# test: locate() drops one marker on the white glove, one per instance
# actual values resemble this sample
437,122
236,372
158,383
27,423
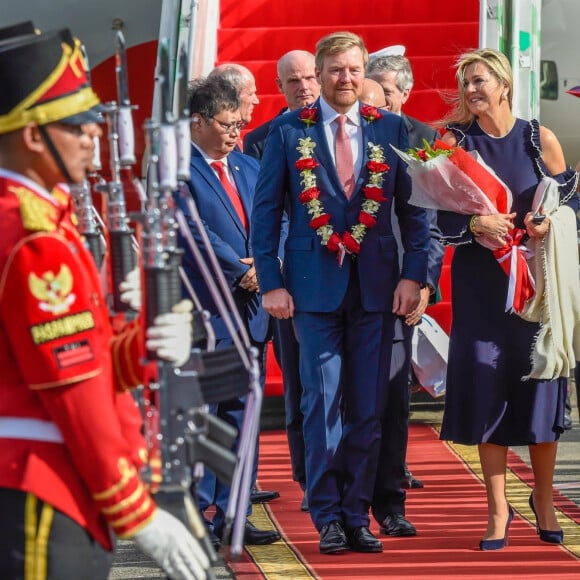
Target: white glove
131,289
167,541
171,334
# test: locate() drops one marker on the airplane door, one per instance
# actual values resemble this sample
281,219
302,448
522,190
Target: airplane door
513,27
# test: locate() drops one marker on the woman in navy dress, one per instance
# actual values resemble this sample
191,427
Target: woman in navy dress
487,403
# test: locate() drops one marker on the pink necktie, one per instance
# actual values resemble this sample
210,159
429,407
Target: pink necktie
344,162
231,191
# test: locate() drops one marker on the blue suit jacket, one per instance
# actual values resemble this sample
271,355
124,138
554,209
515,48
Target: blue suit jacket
228,238
311,273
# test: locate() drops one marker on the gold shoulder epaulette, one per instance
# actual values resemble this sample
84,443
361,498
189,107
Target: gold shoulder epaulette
37,214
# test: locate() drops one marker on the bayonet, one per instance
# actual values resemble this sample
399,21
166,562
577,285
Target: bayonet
168,143
182,128
125,117
167,116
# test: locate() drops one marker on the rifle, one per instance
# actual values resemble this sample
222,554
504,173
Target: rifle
227,374
177,431
91,225
121,152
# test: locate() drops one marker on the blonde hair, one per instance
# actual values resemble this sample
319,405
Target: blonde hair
336,43
499,67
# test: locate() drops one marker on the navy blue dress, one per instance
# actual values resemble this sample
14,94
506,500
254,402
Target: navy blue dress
486,400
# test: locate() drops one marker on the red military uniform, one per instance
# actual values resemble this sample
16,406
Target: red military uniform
69,434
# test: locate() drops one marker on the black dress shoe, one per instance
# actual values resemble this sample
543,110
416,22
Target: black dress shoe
304,505
415,483
255,537
333,539
397,525
362,540
410,482
263,496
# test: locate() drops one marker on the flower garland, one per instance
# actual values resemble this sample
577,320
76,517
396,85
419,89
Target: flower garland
308,115
370,113
350,241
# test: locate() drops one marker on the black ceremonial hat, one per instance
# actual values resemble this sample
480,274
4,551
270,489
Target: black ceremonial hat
44,81
19,29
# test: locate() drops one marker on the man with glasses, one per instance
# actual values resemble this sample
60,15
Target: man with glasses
222,186
245,84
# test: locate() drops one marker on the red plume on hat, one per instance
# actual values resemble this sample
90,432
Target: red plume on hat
44,81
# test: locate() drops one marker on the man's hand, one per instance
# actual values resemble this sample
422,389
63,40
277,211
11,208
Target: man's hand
406,297
249,280
278,303
167,541
414,317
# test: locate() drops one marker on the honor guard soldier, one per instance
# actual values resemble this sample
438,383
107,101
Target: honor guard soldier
70,443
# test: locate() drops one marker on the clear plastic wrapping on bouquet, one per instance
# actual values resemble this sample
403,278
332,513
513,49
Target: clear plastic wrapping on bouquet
439,184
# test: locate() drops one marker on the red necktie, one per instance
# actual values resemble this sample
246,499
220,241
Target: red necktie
343,152
231,191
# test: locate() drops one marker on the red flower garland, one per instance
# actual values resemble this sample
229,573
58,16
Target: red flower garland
350,241
308,115
370,113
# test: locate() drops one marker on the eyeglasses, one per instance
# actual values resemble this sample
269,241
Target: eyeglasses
231,127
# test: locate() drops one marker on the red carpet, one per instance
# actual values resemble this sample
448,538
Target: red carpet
449,513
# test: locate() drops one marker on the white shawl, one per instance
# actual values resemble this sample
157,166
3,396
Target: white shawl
556,303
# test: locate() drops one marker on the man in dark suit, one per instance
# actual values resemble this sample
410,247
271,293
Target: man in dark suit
222,186
245,84
331,166
394,75
297,82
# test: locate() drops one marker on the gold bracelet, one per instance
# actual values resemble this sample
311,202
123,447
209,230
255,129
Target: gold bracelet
473,225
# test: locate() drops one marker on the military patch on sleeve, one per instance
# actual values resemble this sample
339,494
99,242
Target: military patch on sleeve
65,326
53,291
73,353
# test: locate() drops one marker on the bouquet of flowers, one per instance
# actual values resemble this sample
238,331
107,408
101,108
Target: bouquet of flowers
452,179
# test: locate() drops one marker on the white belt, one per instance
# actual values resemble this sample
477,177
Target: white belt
30,429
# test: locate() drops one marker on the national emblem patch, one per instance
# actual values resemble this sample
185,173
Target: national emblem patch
53,291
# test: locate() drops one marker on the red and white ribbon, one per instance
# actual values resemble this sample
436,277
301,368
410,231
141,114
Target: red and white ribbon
513,258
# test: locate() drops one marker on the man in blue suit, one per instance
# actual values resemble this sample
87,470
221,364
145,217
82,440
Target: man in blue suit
297,82
333,168
222,186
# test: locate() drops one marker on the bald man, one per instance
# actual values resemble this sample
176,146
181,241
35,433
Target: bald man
296,80
373,94
245,83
